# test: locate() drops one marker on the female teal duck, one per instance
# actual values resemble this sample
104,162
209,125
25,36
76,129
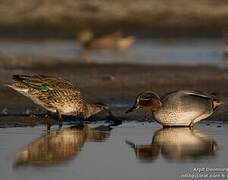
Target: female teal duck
179,108
56,95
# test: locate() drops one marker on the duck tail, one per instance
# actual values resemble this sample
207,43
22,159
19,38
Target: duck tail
131,144
216,103
17,77
21,78
18,85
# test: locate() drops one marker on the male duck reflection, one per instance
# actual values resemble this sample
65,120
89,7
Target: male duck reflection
56,95
179,108
60,146
179,144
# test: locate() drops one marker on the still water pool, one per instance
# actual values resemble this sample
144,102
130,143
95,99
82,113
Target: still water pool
132,150
190,51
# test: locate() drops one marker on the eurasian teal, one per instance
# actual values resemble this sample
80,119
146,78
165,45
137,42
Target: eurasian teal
226,48
179,108
114,41
56,95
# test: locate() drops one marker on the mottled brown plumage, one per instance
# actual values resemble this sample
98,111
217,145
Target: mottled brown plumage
55,94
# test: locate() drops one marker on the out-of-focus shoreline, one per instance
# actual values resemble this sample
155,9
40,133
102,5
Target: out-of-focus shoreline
49,32
141,18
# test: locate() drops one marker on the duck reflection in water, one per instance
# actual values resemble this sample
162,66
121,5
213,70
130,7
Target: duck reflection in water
177,144
60,146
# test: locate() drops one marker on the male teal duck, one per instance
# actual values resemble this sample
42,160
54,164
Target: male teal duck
179,108
56,95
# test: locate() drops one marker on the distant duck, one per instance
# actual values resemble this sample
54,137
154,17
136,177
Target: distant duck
226,49
56,95
179,108
114,41
177,144
58,147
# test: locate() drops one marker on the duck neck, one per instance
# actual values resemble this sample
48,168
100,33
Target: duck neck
156,105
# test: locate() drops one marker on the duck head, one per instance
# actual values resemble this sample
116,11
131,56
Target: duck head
147,99
85,36
94,108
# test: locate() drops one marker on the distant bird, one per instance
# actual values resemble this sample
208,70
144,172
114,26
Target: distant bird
179,108
226,48
114,41
179,144
56,95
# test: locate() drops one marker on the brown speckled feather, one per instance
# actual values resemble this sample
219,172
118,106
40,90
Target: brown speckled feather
54,94
36,81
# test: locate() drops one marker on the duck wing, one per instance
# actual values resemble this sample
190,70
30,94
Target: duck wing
214,101
48,91
196,101
187,100
190,93
43,83
198,95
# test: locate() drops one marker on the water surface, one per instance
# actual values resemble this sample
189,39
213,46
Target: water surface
131,151
185,51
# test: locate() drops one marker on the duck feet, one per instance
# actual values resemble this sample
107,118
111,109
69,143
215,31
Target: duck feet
48,121
60,121
48,127
60,124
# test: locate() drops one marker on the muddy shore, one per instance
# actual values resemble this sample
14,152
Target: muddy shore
114,84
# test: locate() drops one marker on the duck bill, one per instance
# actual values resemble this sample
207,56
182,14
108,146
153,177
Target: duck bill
109,112
132,109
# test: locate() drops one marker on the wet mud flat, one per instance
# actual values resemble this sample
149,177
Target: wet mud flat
114,84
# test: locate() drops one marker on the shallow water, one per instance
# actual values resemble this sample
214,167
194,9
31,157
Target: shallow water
79,153
144,51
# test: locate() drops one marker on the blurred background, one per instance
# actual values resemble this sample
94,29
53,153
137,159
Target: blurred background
62,19
164,32
112,51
